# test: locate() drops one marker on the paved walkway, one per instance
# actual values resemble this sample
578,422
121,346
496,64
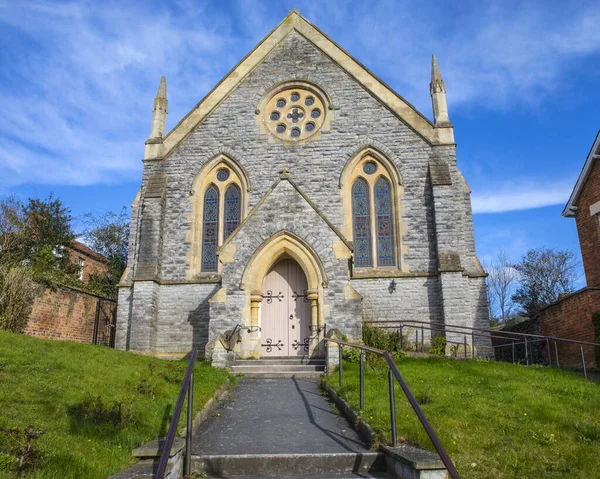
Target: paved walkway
276,416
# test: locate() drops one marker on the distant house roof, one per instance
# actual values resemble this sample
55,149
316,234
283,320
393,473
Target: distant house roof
593,155
87,251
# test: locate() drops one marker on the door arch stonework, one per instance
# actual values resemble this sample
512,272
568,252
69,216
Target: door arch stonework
282,245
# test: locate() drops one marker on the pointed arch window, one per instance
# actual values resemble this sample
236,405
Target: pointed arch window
361,224
371,188
384,226
232,209
210,229
219,207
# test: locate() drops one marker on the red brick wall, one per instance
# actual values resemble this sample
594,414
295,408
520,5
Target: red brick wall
63,313
588,227
571,318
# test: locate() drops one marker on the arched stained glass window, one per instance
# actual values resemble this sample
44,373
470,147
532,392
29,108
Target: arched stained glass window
383,215
232,210
361,220
210,230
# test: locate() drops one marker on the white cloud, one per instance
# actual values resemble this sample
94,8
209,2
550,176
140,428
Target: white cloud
79,78
491,54
83,82
514,197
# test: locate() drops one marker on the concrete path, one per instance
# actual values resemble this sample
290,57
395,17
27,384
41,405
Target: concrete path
276,416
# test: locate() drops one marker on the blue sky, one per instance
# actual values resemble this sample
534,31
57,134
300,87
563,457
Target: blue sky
77,82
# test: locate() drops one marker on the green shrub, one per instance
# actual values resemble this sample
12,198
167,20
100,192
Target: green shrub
351,355
438,345
388,340
93,409
16,298
18,451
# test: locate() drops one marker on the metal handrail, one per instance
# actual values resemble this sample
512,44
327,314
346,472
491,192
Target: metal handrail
510,341
186,385
395,372
443,327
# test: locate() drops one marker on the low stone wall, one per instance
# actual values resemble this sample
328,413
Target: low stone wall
571,317
63,313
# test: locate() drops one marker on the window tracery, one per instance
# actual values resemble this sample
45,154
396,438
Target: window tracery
295,112
371,189
219,205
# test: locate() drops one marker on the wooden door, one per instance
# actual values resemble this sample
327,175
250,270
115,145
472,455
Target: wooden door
285,311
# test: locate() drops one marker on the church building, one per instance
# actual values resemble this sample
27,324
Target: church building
300,195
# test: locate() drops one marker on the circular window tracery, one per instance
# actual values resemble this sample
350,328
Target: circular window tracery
295,113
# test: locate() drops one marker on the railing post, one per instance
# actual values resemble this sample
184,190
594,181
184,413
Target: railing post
416,340
549,353
526,352
392,408
583,362
401,337
556,354
422,340
465,342
472,345
362,380
340,366
513,351
188,432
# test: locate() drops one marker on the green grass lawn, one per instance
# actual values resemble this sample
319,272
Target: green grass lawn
494,419
54,386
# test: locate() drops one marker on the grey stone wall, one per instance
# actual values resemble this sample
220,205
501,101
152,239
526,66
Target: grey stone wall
436,213
286,210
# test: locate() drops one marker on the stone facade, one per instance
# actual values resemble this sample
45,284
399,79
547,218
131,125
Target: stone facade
294,206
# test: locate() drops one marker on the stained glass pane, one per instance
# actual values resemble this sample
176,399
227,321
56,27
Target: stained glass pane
361,222
210,229
233,206
385,233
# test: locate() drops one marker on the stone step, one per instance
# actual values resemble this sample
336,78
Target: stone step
279,368
347,475
271,374
276,361
282,465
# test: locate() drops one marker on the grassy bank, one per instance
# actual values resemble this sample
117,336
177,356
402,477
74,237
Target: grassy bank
94,404
494,419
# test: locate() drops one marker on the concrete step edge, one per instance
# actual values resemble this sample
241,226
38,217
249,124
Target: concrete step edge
278,465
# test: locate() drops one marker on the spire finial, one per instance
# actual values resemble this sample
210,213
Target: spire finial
438,96
437,84
162,88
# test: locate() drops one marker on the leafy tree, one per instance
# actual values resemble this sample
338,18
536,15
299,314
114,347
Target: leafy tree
544,274
108,234
35,233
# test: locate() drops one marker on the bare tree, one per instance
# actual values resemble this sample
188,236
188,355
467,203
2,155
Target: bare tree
544,274
502,278
491,300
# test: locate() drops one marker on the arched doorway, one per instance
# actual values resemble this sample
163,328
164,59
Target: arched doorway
285,311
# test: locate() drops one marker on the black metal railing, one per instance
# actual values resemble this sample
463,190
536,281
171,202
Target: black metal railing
394,372
513,340
187,386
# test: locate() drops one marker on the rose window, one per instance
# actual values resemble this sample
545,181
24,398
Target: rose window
294,112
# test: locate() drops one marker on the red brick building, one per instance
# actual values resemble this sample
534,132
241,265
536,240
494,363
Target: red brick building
88,260
68,313
571,316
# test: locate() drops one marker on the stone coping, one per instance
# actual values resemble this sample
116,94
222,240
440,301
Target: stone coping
414,457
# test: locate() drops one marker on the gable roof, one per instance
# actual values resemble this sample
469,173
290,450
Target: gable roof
284,175
296,22
594,154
